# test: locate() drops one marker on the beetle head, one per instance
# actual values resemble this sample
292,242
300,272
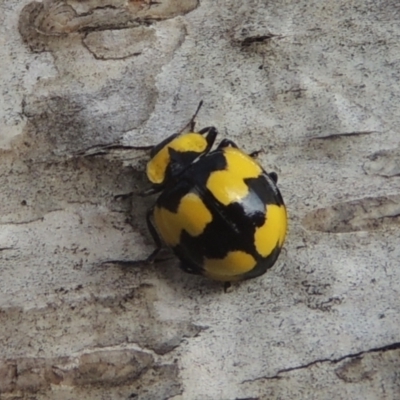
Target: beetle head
176,153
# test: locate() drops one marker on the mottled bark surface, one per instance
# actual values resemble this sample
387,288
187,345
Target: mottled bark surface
313,84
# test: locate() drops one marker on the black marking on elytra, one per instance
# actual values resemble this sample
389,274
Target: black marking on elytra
191,180
201,170
263,263
265,188
179,161
193,261
223,234
171,197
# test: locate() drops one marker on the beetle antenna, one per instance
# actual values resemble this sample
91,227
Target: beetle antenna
197,111
191,124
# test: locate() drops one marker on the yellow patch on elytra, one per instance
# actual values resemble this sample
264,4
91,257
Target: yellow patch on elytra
234,264
273,231
192,216
157,166
228,186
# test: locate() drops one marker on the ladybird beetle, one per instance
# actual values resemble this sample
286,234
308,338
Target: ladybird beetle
218,210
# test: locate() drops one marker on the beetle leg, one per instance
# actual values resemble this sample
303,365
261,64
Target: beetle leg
273,176
207,129
227,286
152,190
227,143
211,133
255,153
148,192
154,234
152,256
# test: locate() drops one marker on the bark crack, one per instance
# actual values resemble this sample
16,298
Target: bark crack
341,134
389,347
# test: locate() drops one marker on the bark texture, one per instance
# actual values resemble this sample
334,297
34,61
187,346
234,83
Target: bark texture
313,84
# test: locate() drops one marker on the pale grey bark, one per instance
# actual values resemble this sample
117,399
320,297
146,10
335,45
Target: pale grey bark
314,84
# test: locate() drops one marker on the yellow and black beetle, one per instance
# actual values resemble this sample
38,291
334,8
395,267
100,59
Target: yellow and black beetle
218,210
